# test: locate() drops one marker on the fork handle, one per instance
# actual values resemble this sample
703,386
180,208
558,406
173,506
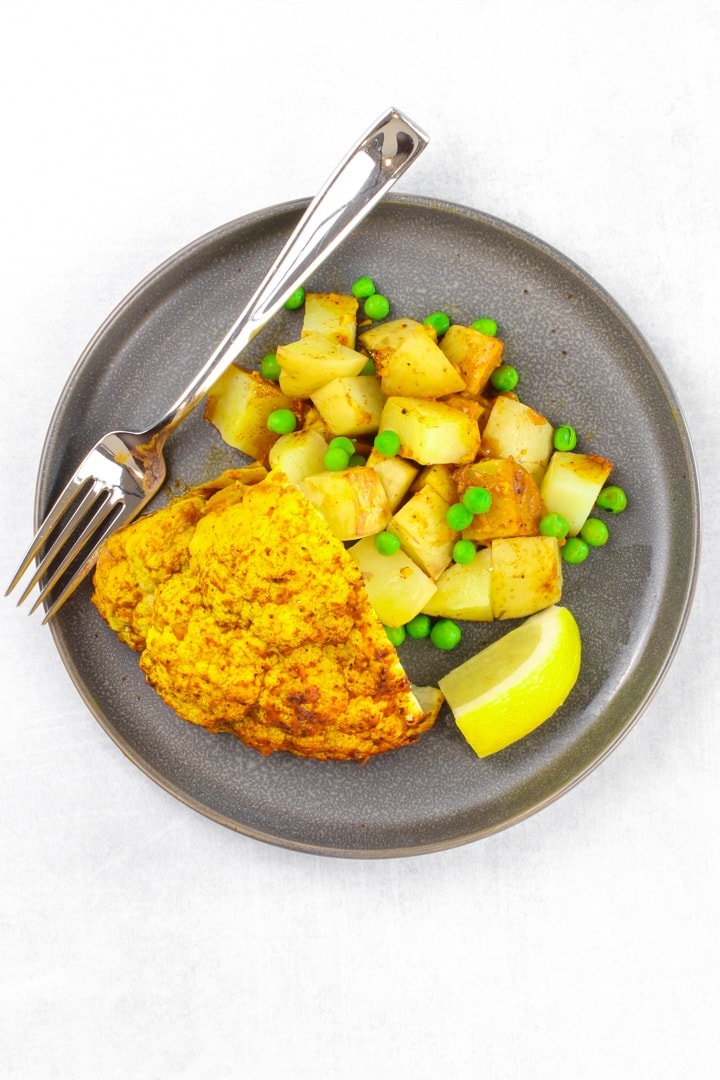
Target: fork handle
359,181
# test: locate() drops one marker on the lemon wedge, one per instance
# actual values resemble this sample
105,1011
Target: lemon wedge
511,687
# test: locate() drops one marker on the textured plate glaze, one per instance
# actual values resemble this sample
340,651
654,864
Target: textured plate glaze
581,361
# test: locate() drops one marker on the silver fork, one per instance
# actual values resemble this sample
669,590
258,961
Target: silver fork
125,469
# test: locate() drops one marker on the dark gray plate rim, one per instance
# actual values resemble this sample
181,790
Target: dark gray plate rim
545,301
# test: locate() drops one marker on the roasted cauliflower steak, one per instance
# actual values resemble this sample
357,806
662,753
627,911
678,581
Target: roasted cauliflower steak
251,618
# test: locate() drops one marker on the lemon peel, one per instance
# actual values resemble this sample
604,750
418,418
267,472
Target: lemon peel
515,684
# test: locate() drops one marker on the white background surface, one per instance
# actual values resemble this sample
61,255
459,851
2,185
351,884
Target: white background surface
140,940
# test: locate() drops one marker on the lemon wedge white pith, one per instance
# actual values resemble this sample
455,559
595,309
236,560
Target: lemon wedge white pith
511,687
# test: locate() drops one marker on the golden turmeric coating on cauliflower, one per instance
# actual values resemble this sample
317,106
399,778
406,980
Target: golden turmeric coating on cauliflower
251,618
139,558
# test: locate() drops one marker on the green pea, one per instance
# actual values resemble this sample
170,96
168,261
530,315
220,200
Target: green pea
612,498
282,421
554,525
458,516
369,368
396,634
356,460
463,552
485,326
504,378
269,367
336,458
344,443
574,550
377,307
445,634
387,443
595,532
386,543
439,321
363,287
565,437
419,627
296,300
477,500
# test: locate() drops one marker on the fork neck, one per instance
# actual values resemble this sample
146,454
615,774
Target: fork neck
243,330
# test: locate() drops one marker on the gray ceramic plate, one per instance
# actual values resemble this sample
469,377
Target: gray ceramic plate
581,362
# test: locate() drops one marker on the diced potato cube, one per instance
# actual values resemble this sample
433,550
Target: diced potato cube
381,341
314,360
352,501
238,405
463,591
351,405
526,575
475,355
418,368
331,314
397,587
423,532
397,475
440,478
571,485
431,432
299,454
514,430
516,508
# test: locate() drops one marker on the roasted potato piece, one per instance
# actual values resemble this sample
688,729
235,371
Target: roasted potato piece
397,587
381,341
572,483
352,501
475,355
441,479
514,430
238,405
299,454
463,591
526,575
332,315
396,473
516,507
351,405
409,362
314,360
431,432
418,368
423,532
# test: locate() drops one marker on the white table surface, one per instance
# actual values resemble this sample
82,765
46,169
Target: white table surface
141,940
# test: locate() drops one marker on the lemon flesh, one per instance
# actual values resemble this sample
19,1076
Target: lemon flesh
511,687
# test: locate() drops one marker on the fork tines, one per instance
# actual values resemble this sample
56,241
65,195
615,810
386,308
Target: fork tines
72,530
